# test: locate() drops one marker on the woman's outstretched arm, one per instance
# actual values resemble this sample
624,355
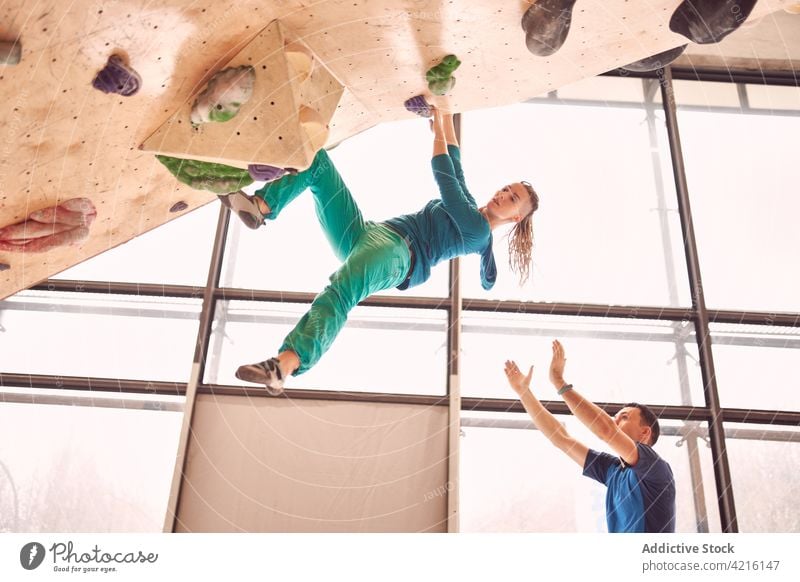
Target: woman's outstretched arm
439,135
449,129
444,116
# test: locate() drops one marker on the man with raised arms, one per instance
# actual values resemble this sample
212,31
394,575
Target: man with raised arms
641,488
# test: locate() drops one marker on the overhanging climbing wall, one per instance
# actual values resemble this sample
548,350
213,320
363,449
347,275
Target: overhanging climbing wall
65,140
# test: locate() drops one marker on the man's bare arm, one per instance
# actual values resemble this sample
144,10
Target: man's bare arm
544,421
591,415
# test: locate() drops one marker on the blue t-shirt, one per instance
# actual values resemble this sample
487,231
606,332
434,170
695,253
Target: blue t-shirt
447,228
639,498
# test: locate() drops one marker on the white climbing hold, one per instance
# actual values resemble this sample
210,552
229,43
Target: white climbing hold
300,60
313,126
224,95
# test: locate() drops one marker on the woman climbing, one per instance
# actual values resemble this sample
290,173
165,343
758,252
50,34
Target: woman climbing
380,255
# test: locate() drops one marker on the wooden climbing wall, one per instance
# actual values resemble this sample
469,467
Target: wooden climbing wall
63,139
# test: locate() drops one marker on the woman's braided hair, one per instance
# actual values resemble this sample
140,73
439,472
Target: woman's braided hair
520,240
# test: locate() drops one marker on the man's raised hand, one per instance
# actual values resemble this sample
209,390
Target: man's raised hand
520,383
557,365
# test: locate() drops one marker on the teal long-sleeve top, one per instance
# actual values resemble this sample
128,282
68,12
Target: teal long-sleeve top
447,227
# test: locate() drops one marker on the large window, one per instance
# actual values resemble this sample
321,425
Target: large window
97,462
611,279
610,359
88,334
765,458
742,177
606,230
757,366
379,350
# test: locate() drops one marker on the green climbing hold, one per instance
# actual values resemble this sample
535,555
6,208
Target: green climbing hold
442,86
440,77
217,178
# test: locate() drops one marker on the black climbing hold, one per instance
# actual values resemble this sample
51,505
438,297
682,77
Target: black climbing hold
709,21
264,173
546,25
657,61
10,52
117,77
418,105
179,206
4,267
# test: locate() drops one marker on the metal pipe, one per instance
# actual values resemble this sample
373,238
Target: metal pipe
198,367
786,78
101,385
454,382
777,319
722,474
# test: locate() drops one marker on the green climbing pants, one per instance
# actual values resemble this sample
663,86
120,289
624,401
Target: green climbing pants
374,257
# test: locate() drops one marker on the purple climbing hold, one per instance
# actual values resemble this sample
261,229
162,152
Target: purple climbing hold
117,77
264,173
418,105
4,267
179,207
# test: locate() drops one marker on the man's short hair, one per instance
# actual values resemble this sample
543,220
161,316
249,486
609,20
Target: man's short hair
649,418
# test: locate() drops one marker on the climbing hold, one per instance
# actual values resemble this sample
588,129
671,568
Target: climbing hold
178,207
117,77
442,86
217,178
264,173
657,61
10,52
44,243
60,215
418,105
444,69
224,95
300,59
546,25
440,77
709,21
314,127
51,227
4,267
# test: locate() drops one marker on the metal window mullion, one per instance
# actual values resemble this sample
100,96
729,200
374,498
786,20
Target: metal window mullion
744,101
649,89
102,385
787,78
198,366
454,382
210,294
777,319
581,102
722,474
